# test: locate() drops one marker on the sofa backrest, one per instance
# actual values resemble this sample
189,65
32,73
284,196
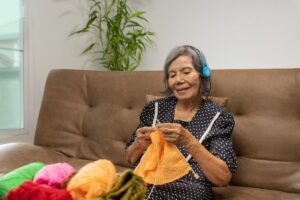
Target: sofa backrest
266,108
91,115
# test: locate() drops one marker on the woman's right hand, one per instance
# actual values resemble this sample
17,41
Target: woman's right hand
143,139
140,144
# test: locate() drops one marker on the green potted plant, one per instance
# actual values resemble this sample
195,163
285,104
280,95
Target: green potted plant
121,36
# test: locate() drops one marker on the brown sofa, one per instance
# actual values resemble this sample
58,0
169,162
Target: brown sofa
88,115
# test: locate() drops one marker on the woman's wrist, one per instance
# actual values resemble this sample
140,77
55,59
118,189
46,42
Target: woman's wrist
191,144
188,138
134,152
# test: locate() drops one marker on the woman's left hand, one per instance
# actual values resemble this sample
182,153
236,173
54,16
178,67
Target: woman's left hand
175,133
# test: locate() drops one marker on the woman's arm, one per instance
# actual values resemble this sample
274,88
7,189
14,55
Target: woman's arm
214,162
140,139
215,169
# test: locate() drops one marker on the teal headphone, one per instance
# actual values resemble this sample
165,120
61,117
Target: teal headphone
205,68
206,72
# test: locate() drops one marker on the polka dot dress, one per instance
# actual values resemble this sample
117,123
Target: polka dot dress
218,142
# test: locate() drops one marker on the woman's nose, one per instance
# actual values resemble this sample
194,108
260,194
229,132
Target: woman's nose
179,79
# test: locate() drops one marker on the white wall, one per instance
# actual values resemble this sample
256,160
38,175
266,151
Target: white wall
232,34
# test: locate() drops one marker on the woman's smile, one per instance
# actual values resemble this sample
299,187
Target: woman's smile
182,91
183,79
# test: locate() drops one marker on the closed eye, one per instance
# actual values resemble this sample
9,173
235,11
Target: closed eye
186,71
172,75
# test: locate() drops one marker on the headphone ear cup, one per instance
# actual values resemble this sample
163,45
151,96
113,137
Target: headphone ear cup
206,72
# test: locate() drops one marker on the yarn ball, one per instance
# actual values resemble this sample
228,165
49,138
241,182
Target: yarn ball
54,174
16,177
129,186
31,191
93,180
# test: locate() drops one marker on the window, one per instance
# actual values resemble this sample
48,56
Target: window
11,65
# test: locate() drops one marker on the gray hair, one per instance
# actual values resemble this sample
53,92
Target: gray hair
198,61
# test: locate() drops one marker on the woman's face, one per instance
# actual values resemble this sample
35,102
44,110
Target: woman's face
183,79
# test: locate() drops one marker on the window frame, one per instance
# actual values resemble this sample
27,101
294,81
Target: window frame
23,134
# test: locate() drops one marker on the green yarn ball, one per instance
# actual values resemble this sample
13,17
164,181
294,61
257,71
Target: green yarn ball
16,177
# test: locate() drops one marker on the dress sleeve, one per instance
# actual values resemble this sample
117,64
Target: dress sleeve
221,141
146,118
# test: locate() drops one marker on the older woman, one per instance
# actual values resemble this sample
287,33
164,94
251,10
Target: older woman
184,116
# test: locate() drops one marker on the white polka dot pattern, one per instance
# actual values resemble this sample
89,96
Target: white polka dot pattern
218,142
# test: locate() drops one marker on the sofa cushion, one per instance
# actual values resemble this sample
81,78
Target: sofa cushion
266,108
247,193
90,115
24,153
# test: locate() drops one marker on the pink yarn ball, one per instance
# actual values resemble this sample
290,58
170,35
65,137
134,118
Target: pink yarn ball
54,174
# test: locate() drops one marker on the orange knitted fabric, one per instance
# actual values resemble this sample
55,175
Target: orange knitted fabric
162,162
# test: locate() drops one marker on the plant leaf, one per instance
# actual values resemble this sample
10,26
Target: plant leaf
88,48
86,27
136,14
121,38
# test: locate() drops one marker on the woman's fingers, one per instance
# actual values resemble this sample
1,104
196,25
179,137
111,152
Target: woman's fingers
146,129
143,137
170,130
144,133
173,132
170,134
167,125
167,130
146,137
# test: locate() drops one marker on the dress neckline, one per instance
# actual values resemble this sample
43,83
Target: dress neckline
174,102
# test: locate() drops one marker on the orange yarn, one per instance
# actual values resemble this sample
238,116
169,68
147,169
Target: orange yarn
93,180
162,162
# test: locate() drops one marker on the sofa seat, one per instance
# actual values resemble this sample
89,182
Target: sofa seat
14,155
250,193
